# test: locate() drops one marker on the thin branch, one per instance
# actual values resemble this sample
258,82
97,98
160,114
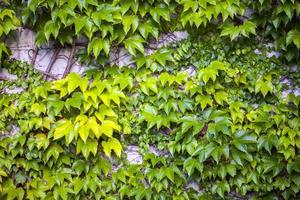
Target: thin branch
52,61
34,56
69,64
47,74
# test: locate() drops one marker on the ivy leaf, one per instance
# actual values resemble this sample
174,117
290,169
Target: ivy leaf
130,21
293,36
185,104
54,105
116,146
241,139
211,71
220,97
106,46
158,12
191,122
107,127
96,45
79,23
90,146
60,85
62,192
42,141
104,111
165,77
204,101
51,28
150,114
264,87
94,126
86,126
78,184
84,133
231,169
73,81
83,84
189,165
169,172
75,101
123,81
234,31
3,49
64,128
149,84
148,27
92,93
38,108
134,43
53,151
112,144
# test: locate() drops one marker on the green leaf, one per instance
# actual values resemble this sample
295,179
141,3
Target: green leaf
212,71
158,12
148,27
64,128
106,46
87,124
75,101
130,21
134,43
107,127
42,141
191,122
90,146
123,81
78,184
220,97
53,151
51,28
231,169
234,31
79,23
264,87
96,45
185,104
38,108
73,81
149,84
204,101
293,36
112,144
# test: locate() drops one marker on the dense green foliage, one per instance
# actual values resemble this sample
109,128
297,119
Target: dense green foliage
131,23
208,114
8,23
212,110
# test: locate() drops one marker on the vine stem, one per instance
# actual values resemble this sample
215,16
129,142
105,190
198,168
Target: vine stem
47,74
69,64
34,56
52,61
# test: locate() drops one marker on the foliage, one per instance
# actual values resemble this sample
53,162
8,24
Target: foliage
107,24
208,113
221,124
279,20
8,23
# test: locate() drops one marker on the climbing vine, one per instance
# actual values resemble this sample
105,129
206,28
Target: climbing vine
214,116
209,121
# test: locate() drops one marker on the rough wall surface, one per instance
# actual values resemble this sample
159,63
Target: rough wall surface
22,46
